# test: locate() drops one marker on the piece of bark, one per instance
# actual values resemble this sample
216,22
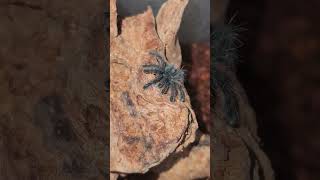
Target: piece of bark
145,127
195,26
168,22
114,176
191,164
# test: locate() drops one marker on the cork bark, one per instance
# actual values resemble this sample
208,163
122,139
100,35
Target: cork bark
145,127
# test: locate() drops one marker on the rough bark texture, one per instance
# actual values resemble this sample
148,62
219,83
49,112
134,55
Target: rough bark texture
145,126
196,15
52,110
193,163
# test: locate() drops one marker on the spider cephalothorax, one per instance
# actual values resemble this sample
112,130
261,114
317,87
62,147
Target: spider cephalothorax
167,77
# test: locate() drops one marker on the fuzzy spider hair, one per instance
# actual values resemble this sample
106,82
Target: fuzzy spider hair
225,43
167,77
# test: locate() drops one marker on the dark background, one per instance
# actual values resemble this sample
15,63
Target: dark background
280,70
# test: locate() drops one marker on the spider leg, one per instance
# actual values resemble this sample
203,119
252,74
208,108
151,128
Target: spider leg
174,73
151,66
173,92
149,69
154,81
181,91
162,83
178,76
165,88
230,105
159,58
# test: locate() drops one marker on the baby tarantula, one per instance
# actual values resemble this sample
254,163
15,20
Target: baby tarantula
167,77
225,43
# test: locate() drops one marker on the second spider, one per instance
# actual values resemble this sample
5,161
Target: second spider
167,76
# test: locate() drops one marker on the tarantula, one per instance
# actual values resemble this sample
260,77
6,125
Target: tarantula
225,43
167,77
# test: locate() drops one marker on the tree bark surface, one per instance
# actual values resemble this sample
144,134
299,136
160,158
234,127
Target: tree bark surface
145,126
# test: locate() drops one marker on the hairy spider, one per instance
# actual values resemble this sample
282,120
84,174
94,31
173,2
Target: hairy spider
167,77
225,43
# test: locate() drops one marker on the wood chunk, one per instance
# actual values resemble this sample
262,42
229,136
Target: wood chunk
145,127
